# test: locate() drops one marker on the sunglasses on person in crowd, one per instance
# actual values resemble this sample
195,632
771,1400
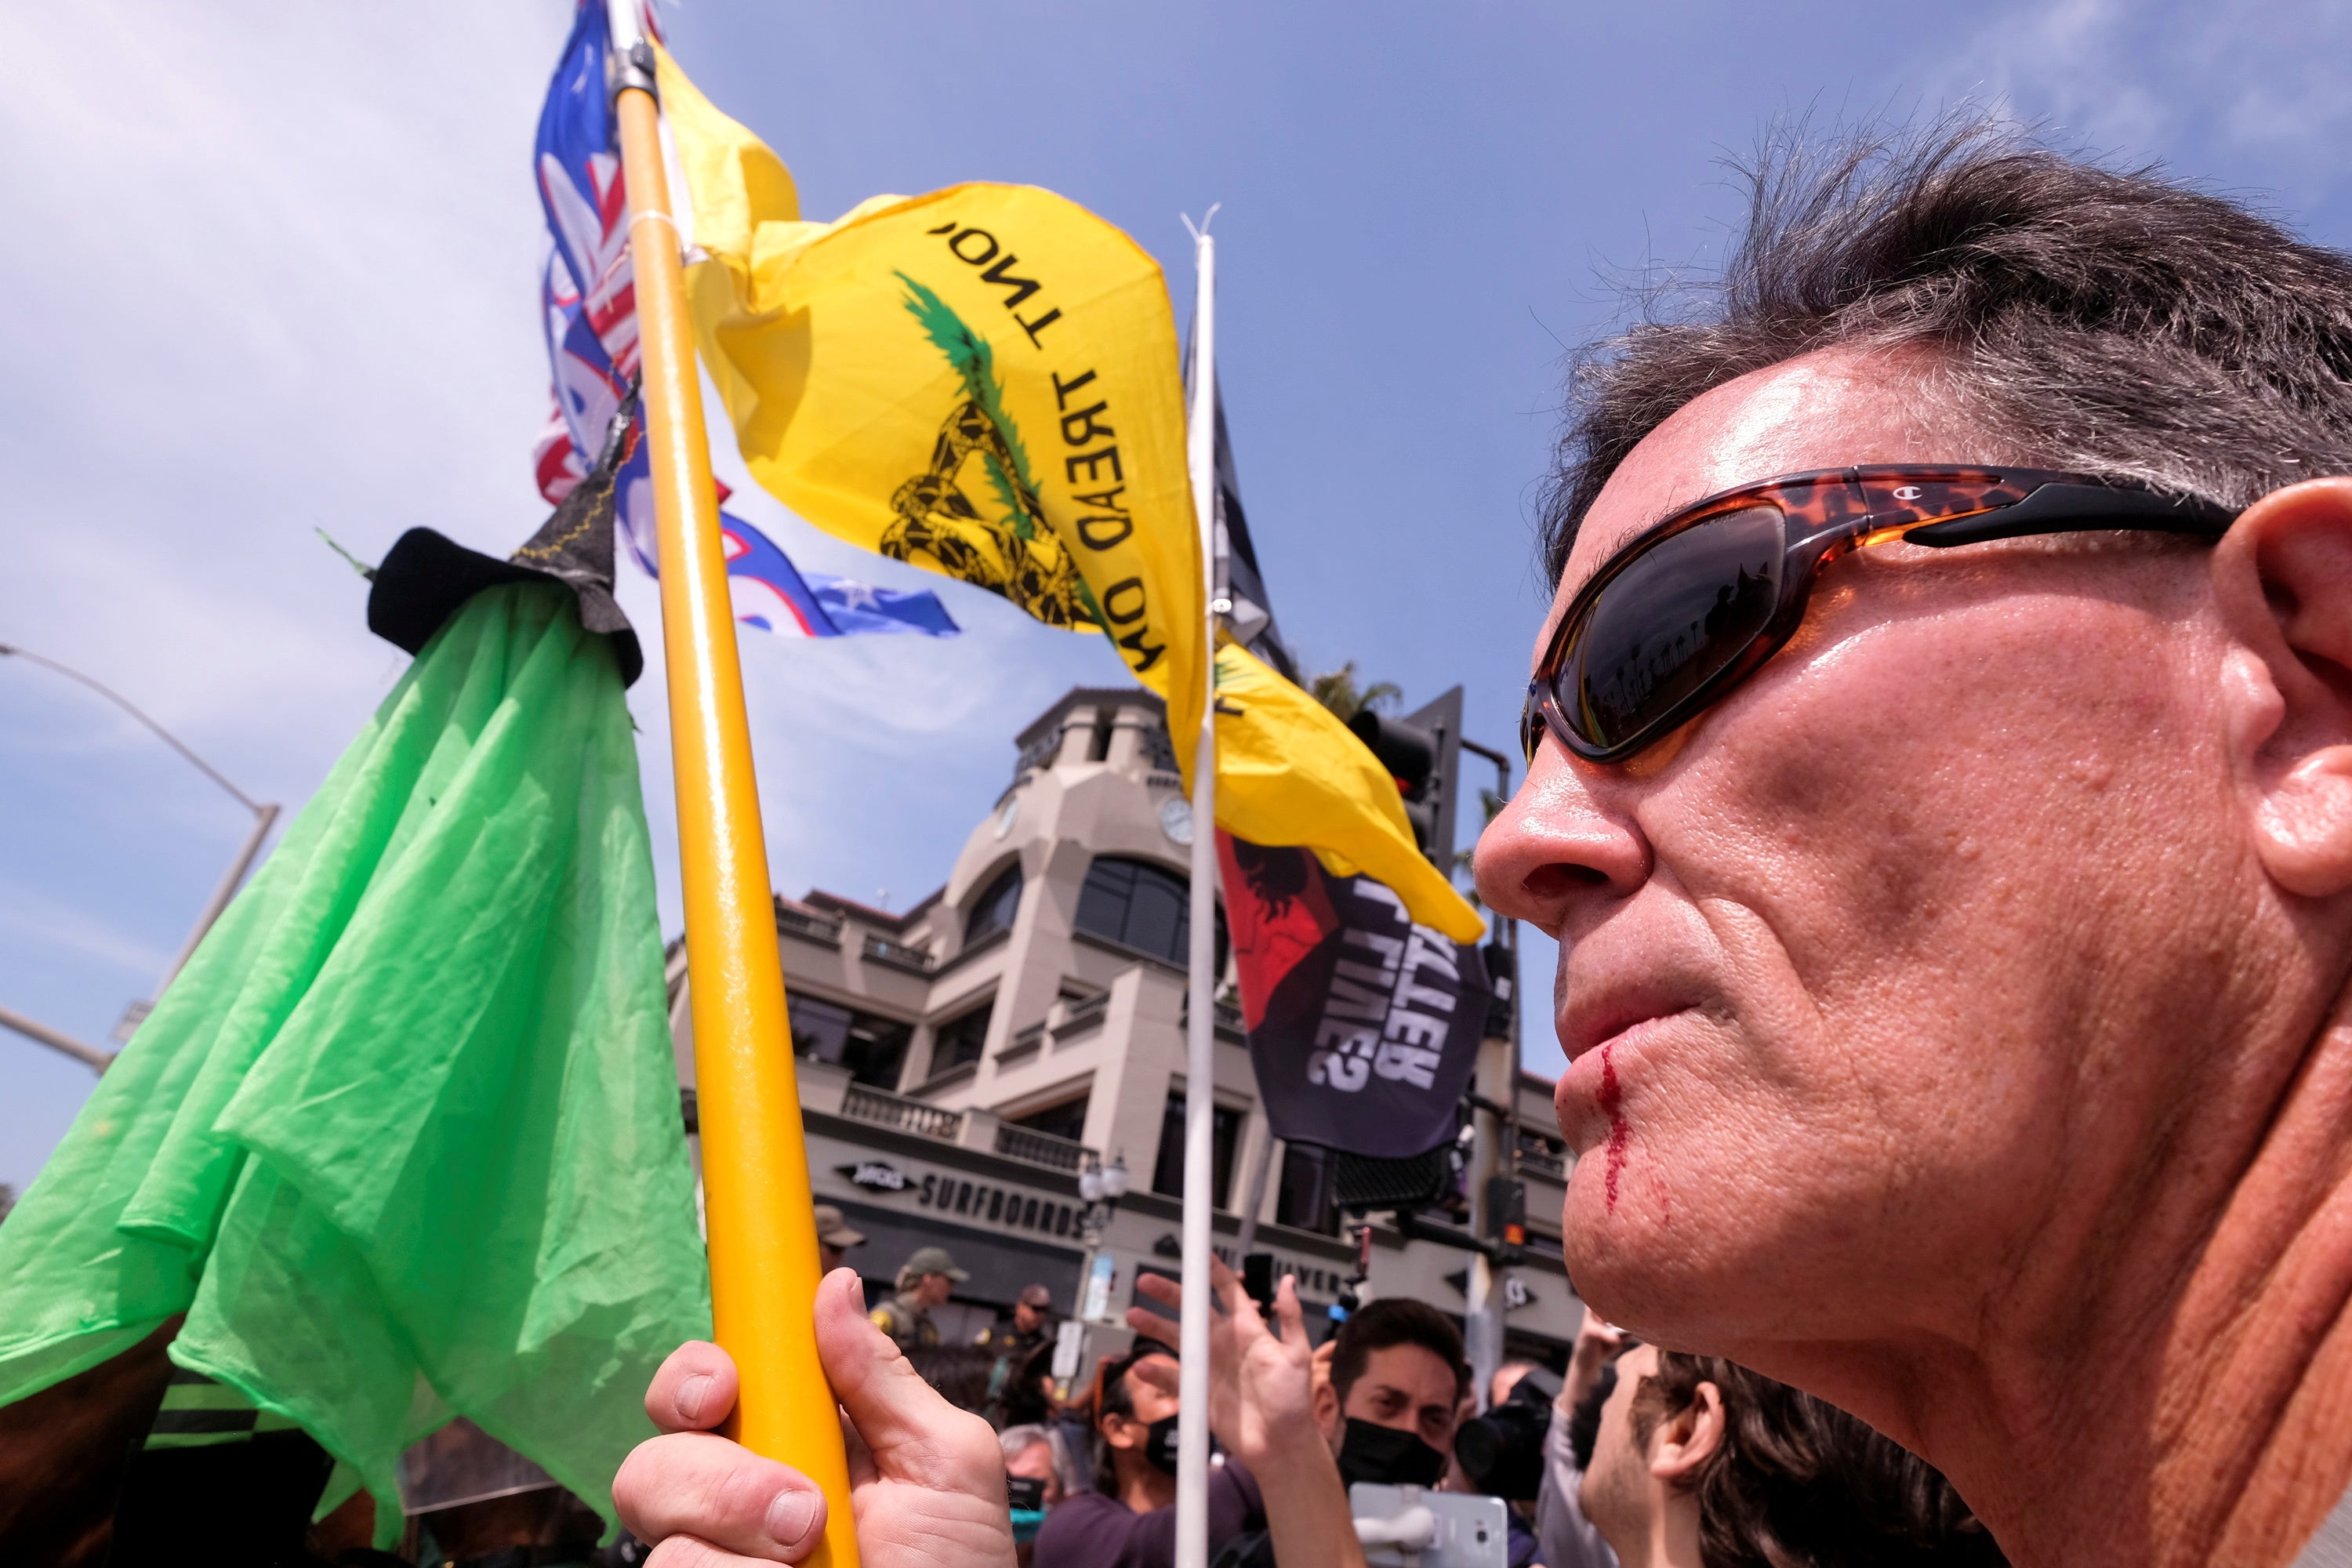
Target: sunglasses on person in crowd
1675,620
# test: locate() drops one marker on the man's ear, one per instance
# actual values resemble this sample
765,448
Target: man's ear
1326,1407
1688,1438
2282,579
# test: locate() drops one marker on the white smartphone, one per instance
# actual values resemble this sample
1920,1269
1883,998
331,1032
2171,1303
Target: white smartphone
1413,1527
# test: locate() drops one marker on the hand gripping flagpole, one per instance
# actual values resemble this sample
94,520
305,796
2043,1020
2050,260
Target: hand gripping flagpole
762,1231
1200,1007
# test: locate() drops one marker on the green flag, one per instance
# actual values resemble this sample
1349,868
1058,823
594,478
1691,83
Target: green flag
402,1139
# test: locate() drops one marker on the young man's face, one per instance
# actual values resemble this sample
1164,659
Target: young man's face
1027,1318
1620,1495
1407,1387
932,1289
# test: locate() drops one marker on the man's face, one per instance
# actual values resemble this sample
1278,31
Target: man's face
932,1289
1403,1386
1619,1494
1027,1318
1867,968
1035,1463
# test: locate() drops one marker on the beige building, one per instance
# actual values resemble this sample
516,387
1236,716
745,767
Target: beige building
963,1062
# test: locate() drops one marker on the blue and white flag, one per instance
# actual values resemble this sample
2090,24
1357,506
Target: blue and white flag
589,312
771,593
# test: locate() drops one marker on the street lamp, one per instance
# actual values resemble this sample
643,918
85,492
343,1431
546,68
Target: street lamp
1100,1186
264,817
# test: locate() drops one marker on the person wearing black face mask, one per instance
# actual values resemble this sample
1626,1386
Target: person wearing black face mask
1128,1521
1395,1388
1377,1403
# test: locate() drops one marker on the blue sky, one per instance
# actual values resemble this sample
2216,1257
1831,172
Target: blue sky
270,269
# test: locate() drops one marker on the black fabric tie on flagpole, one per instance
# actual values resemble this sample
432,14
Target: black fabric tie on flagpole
426,575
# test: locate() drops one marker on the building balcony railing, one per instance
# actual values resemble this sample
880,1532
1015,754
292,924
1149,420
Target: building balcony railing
1228,1018
975,1128
800,924
885,1109
899,954
1083,1014
1033,1147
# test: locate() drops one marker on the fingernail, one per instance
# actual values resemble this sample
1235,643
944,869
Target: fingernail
692,1394
790,1516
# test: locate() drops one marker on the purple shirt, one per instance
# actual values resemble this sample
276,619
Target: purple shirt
1091,1530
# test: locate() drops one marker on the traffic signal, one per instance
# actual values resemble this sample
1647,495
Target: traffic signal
1422,752
1506,1211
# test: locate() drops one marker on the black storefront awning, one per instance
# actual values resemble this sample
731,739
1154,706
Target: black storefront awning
999,1265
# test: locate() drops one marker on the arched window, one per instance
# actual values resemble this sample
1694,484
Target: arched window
1145,907
993,911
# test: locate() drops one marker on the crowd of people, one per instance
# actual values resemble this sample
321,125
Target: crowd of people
1634,1457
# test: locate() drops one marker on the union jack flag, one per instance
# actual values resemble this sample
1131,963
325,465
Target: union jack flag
588,306
591,326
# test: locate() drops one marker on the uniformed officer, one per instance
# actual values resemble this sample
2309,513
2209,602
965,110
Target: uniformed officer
1020,1335
924,1283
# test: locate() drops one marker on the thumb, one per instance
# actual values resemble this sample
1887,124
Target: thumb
913,1433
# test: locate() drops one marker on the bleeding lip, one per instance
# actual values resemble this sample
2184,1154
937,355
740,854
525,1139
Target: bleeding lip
1589,1029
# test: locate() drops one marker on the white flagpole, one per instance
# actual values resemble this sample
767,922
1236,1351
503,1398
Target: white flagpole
1200,1040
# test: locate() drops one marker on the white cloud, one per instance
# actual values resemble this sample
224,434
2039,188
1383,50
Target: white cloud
2259,79
35,921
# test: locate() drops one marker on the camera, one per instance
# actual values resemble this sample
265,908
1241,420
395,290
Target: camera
1502,1451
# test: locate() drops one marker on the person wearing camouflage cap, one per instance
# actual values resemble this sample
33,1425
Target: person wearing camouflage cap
924,1283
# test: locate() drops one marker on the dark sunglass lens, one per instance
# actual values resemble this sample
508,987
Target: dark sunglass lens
1674,616
1531,726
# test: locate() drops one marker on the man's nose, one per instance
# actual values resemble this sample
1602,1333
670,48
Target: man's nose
1560,845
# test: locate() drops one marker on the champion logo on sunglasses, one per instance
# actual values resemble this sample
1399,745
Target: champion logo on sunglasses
1674,621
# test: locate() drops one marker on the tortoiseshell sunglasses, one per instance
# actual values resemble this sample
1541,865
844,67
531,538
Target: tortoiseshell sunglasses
1675,620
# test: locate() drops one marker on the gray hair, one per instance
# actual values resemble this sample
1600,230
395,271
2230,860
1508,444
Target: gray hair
1016,1441
2114,322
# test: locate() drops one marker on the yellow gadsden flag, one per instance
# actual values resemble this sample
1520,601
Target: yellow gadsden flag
985,382
982,381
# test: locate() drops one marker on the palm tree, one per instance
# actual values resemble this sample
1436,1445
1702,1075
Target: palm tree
1336,690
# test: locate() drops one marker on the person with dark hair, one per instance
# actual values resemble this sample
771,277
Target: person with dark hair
1276,1420
1395,1390
1704,1464
1941,788
1940,784
1128,1521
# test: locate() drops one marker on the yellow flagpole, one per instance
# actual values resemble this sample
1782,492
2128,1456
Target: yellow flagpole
762,1232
